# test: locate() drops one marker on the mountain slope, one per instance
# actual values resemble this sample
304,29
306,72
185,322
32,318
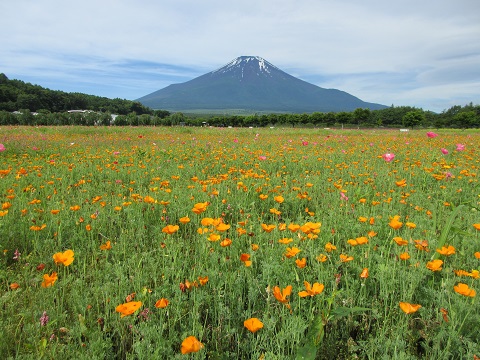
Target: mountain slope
252,83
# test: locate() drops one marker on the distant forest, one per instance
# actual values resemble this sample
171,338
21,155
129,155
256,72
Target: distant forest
26,104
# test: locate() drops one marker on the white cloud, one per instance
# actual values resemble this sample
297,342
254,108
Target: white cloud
406,52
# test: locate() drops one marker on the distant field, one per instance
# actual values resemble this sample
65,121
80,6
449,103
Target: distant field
152,243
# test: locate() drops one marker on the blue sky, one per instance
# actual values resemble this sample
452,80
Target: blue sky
418,53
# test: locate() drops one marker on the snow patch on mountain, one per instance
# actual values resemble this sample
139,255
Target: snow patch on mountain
242,62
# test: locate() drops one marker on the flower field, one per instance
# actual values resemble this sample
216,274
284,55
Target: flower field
166,243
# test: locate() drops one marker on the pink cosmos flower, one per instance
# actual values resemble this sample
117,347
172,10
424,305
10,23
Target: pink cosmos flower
460,147
2,148
343,196
388,157
235,140
431,134
444,151
262,157
304,143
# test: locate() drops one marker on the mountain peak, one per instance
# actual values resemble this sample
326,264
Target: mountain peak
243,66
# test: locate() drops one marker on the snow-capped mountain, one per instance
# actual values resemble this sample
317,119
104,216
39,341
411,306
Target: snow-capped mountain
252,83
245,66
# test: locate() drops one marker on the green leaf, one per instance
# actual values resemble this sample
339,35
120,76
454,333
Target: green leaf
307,352
313,339
446,229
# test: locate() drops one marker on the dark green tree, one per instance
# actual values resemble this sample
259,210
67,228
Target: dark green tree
413,118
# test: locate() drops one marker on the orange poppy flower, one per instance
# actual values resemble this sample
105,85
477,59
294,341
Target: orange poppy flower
14,286
329,247
421,245
394,223
358,241
474,274
464,289
477,226
285,241
364,273
461,272
222,227
214,237
65,258
311,290
401,183
49,280
268,228
345,258
255,247
6,205
477,254
404,256
199,208
400,241
291,252
408,308
190,345
245,259
241,231
362,219
446,250
207,221
128,308
263,196
184,220
281,295
322,258
253,324
301,263
279,199
203,280
170,229
75,207
162,303
410,225
106,246
226,242
293,227
149,199
38,228
435,265
310,227
54,212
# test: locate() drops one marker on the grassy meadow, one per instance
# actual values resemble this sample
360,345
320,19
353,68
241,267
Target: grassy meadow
177,243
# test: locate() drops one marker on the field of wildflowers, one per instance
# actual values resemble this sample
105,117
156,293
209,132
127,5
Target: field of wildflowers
138,243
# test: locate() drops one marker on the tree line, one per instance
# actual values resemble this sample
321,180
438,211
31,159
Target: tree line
16,95
26,104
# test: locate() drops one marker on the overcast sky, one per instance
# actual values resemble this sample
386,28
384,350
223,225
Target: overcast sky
418,53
